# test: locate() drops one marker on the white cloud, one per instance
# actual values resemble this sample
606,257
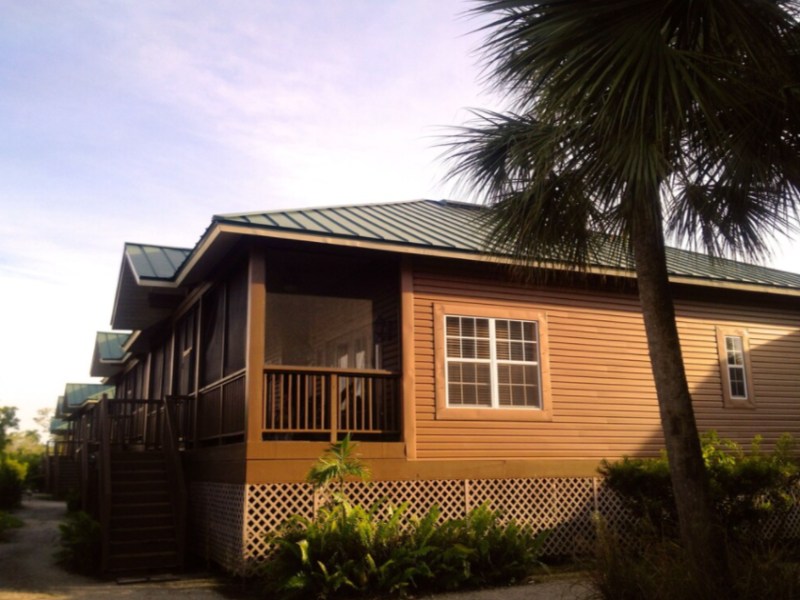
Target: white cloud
138,121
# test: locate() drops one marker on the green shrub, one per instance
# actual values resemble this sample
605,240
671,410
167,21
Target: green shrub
747,488
12,482
81,543
8,521
73,500
485,550
349,550
658,570
384,550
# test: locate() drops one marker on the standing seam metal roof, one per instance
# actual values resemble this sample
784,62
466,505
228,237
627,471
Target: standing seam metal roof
155,262
110,343
435,224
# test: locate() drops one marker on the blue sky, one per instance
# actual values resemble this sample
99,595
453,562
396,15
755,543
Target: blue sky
137,121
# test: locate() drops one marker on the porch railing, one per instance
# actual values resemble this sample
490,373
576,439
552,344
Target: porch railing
319,403
218,416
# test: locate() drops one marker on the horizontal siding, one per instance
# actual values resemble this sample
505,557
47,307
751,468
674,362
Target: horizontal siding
603,398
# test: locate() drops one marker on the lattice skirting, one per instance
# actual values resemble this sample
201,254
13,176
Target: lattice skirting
216,519
229,522
564,505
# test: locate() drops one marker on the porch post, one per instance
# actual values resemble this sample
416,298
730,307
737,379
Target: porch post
256,333
407,378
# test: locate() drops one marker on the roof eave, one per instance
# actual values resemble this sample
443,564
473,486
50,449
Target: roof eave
227,232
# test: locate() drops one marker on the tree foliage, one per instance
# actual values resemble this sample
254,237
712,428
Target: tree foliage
632,121
336,465
8,421
680,112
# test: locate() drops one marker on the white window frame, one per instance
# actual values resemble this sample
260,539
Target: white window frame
444,410
494,362
729,399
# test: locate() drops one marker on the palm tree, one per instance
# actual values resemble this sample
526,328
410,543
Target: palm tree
335,466
636,121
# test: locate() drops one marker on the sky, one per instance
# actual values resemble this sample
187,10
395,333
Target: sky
138,121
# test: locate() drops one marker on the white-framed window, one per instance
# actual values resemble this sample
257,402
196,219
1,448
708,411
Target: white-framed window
492,362
735,372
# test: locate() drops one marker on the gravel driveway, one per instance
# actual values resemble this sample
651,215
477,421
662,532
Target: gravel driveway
28,571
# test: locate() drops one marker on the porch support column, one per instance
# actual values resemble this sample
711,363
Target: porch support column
256,332
407,380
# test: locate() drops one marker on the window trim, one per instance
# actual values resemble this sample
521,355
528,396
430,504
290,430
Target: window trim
489,413
728,400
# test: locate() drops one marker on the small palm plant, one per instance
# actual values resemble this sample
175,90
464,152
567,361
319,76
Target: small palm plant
339,462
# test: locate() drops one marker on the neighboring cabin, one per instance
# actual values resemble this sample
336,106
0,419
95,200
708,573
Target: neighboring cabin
279,332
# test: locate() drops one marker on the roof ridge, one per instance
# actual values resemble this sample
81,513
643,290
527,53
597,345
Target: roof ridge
159,246
225,216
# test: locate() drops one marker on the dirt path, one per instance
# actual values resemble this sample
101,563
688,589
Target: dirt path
28,571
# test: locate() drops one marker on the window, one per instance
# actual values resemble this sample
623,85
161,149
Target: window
492,362
736,374
734,359
489,363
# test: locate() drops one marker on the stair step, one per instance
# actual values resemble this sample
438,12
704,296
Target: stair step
143,547
125,521
148,465
143,495
141,508
159,561
125,454
132,487
139,476
145,532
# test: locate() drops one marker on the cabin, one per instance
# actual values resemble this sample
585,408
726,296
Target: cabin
236,362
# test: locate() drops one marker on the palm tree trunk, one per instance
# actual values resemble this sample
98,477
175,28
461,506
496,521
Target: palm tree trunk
701,536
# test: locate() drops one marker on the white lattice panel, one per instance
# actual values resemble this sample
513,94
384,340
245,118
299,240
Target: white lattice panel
448,495
269,505
216,522
565,506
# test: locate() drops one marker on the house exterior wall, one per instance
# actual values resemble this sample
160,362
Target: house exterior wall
602,395
600,399
599,402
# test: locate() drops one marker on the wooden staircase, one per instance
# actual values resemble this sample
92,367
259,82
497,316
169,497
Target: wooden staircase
142,536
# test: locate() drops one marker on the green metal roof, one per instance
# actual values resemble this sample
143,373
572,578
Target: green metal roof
58,425
155,262
440,225
77,394
436,224
458,226
109,345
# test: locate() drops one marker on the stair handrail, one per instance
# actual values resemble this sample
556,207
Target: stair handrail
104,474
177,485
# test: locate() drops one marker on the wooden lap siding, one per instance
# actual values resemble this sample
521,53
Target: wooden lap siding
603,398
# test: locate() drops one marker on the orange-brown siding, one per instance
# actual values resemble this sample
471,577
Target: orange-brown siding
602,394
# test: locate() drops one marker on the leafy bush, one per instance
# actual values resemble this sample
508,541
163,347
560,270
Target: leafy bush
8,521
73,500
12,482
658,570
384,550
747,488
81,543
349,550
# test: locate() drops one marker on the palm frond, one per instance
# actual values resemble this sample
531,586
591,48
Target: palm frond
674,110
